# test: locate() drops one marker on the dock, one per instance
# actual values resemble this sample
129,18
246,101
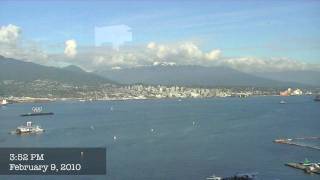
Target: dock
310,168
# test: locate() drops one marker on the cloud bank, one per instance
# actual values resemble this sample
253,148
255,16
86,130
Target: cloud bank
93,58
187,50
251,64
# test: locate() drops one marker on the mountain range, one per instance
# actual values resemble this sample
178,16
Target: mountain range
182,75
191,75
12,69
307,77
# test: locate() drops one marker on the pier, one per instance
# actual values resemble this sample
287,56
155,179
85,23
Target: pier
310,168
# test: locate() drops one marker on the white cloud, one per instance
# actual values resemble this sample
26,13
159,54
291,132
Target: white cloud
213,55
71,48
186,52
190,50
9,34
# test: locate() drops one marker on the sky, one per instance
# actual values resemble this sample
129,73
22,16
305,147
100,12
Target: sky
236,33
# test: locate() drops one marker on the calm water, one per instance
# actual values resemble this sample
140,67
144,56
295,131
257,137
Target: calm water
229,135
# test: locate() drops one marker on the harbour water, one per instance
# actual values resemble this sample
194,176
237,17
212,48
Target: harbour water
172,140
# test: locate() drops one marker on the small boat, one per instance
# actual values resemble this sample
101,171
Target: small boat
283,102
214,177
317,98
29,128
248,176
239,176
38,114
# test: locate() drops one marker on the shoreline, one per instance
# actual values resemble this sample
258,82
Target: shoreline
22,100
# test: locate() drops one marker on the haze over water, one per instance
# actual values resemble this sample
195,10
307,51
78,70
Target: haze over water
171,139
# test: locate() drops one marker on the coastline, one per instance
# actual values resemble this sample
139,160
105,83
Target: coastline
20,100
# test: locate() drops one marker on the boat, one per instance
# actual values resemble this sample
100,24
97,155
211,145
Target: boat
4,102
247,176
29,128
38,114
214,177
283,102
317,98
239,176
37,111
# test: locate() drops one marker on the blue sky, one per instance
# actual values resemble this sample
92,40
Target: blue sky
239,28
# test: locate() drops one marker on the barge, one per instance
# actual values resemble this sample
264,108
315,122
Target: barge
38,114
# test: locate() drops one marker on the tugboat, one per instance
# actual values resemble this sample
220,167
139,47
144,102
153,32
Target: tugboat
28,128
317,98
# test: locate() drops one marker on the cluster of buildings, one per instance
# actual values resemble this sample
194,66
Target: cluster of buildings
42,90
174,91
160,91
291,92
